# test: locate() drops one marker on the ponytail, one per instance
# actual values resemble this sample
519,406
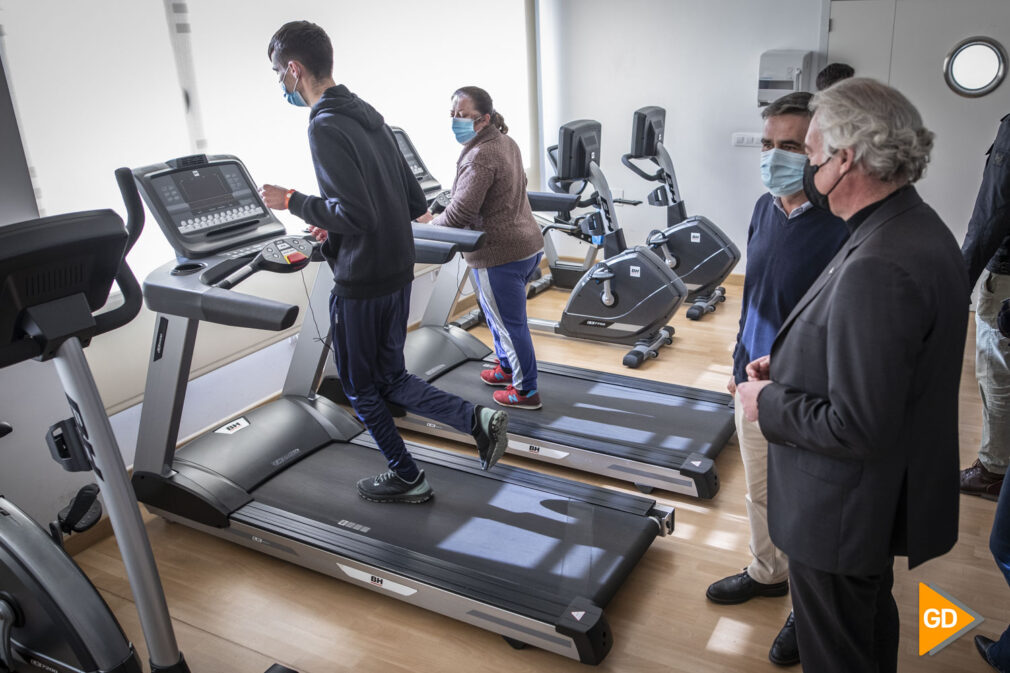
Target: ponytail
498,121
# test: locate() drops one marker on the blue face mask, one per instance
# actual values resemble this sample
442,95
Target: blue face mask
463,129
293,97
782,172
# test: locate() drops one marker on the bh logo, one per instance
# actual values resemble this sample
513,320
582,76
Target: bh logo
942,620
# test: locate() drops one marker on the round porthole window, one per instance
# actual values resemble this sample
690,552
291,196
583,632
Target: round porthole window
975,66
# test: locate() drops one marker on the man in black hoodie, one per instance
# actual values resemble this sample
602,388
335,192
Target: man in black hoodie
368,196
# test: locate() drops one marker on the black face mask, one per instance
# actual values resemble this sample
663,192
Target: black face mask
816,199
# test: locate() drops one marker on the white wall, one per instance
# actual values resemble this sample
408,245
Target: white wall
404,57
95,88
903,43
603,60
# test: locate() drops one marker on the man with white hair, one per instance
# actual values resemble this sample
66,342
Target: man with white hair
858,398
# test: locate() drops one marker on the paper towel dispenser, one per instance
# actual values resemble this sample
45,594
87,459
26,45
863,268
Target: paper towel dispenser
784,71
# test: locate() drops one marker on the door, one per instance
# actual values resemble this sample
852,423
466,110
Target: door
904,43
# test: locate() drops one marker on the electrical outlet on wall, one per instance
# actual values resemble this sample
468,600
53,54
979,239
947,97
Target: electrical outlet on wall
746,139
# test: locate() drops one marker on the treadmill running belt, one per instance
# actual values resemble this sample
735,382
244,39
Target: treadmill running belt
518,536
609,418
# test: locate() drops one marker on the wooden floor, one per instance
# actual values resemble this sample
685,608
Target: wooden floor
236,610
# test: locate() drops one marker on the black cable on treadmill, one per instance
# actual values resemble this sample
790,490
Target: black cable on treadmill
312,313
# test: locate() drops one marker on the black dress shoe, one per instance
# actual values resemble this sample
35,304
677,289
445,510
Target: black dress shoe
982,644
976,480
741,588
785,651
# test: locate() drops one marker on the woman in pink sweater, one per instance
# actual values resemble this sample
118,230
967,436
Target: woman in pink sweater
489,195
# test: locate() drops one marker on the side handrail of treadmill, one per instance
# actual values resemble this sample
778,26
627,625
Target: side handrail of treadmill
224,307
244,310
467,239
427,251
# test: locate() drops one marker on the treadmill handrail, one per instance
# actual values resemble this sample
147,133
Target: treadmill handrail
468,240
188,297
427,251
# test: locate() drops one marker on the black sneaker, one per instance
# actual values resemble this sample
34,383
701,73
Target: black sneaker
390,487
490,430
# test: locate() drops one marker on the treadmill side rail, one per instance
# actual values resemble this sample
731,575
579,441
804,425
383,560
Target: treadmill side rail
702,471
543,635
584,623
699,481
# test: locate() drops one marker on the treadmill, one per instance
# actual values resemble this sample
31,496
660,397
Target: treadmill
652,434
531,557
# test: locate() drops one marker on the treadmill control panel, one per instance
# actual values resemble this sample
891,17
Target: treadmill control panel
206,205
427,181
198,199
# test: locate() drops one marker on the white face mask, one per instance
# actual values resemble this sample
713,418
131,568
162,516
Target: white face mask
782,171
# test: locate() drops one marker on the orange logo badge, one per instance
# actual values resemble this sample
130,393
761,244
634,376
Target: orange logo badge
942,620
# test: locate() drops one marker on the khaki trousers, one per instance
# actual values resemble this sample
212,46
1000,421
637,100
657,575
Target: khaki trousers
770,565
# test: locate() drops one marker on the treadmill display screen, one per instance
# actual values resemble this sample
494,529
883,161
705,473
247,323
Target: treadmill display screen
408,153
203,199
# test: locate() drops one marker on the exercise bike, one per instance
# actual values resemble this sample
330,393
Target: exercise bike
561,201
694,247
55,275
627,298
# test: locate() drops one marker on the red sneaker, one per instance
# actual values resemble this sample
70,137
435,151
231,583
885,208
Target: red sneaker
496,376
510,397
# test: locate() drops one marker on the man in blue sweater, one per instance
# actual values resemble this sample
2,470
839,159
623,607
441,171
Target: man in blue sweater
368,196
788,245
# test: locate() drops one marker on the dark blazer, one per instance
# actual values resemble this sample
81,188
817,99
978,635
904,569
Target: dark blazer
861,417
987,243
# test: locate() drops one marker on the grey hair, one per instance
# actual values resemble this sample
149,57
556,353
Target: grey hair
878,123
796,103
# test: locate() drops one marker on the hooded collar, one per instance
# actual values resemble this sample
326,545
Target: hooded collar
339,100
